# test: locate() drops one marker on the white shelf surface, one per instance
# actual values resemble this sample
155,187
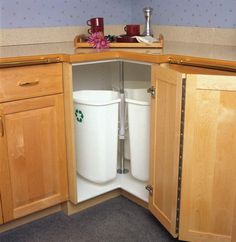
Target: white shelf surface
134,186
87,189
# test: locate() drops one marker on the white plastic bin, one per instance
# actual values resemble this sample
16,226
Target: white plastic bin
96,132
130,86
138,101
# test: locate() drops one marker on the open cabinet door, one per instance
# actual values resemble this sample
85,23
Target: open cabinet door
165,146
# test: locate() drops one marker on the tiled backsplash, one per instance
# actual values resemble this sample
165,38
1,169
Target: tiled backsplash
44,13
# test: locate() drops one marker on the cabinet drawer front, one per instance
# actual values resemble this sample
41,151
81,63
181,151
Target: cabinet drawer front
30,81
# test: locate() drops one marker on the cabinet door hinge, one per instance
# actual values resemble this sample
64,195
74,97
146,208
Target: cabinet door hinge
181,145
152,91
150,189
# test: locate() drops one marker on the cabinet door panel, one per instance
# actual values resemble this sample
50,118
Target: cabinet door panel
165,131
209,168
35,141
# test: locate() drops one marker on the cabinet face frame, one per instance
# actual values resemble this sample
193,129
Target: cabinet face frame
70,131
17,203
5,184
165,146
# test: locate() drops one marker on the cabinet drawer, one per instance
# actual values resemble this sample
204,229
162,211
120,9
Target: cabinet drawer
30,81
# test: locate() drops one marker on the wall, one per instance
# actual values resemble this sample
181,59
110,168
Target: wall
197,13
45,13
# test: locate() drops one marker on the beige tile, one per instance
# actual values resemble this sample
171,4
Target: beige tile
48,35
39,35
215,36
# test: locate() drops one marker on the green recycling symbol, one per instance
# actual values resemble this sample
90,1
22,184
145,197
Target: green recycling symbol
79,115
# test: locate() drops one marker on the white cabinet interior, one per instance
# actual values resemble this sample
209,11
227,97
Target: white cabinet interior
132,78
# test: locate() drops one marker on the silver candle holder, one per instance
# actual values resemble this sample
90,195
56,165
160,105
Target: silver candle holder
147,27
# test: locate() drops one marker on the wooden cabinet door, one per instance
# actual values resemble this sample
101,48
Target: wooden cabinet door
209,161
33,159
165,140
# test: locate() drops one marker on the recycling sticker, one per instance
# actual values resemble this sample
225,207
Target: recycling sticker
79,115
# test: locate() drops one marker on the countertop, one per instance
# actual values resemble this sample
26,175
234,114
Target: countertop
218,54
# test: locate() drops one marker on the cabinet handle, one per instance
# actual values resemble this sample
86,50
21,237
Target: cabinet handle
1,128
22,84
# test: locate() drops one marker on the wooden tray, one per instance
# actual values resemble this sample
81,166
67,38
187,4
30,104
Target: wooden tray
159,44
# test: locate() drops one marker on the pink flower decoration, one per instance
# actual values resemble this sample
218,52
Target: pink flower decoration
98,41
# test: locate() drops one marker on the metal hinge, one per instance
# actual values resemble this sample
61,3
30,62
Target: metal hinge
181,153
150,189
152,91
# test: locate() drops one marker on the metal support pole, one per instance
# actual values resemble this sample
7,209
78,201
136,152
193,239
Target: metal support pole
122,169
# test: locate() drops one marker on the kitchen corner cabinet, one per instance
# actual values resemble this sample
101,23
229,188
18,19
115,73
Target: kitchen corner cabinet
33,171
197,201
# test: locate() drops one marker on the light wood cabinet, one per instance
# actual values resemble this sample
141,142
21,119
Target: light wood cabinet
193,137
202,146
165,132
30,81
33,169
209,168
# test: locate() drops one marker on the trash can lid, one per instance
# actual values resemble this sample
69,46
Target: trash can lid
96,97
137,96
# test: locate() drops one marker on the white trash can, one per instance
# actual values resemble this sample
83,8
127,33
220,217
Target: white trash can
96,134
130,87
138,101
